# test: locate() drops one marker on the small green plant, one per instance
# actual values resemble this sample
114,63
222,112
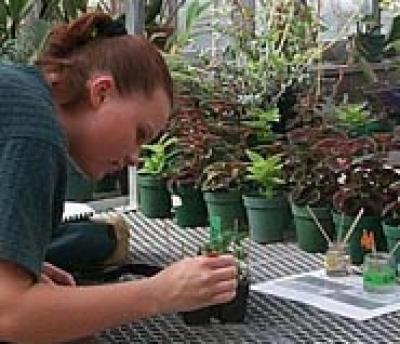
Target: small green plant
267,173
228,243
159,156
353,115
261,121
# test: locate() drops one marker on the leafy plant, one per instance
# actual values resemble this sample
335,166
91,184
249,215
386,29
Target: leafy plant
260,65
266,172
367,184
260,121
319,159
312,181
194,12
229,243
62,10
224,176
195,143
189,76
353,115
159,156
28,44
23,37
12,15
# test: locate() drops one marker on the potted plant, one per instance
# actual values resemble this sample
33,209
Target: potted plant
355,119
314,185
267,207
194,143
221,186
366,185
313,179
235,310
153,196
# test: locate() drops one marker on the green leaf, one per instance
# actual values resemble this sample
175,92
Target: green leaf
18,9
254,156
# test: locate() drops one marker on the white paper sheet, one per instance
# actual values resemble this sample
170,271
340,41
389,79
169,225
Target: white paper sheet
341,295
72,209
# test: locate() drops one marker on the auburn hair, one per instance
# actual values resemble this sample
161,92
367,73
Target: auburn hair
75,51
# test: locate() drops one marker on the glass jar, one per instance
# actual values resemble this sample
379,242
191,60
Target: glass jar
379,276
337,260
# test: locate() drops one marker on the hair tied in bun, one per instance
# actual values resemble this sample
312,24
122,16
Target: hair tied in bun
113,28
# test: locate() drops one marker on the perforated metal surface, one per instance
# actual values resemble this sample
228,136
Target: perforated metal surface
269,319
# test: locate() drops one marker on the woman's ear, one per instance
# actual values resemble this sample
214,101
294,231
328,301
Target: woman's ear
100,88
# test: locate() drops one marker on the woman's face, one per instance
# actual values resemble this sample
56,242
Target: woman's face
111,135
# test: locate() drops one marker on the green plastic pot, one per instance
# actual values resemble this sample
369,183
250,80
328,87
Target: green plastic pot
309,237
370,223
191,211
268,218
226,209
155,200
392,234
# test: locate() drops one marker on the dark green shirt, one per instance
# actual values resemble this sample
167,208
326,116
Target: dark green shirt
33,158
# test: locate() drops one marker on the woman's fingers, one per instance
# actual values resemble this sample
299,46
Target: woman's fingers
197,282
225,287
223,274
220,261
57,275
223,298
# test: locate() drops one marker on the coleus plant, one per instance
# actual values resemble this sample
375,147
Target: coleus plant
311,178
312,181
224,176
194,141
368,185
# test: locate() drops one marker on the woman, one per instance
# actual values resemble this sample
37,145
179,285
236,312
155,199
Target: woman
97,95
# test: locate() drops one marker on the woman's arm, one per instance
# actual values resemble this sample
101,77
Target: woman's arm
44,313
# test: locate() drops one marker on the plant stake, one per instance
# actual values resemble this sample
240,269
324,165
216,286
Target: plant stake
394,249
321,229
353,226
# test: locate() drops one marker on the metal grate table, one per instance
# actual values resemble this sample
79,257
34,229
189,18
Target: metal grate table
269,319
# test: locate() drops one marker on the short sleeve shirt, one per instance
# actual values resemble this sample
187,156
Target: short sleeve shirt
33,162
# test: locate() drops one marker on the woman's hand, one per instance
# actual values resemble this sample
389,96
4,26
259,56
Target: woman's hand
51,274
196,282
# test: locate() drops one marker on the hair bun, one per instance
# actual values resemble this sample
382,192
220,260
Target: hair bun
111,29
65,39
